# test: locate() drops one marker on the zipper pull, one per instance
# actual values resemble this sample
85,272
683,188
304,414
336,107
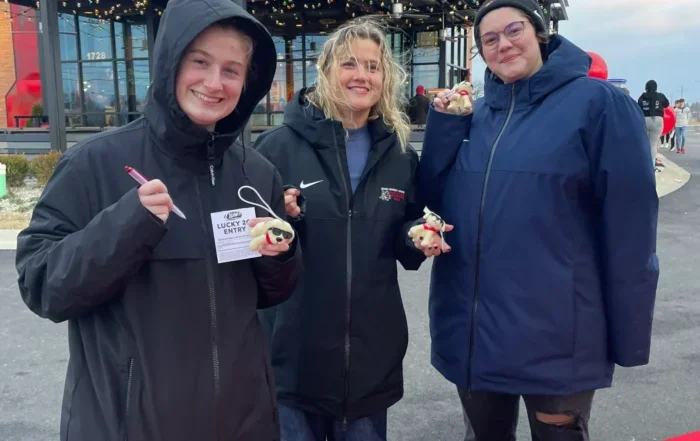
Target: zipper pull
212,176
210,158
210,147
344,426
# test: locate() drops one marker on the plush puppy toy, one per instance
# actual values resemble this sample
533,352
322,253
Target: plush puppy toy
460,103
271,232
425,232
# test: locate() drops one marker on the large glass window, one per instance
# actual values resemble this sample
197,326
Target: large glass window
134,79
259,117
427,75
296,69
72,94
311,72
106,71
131,40
456,61
95,39
314,45
67,37
426,48
99,94
425,61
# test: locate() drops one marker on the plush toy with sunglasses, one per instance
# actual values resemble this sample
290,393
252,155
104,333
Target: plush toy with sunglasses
459,96
271,232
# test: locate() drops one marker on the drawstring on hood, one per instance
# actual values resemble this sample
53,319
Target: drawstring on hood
171,128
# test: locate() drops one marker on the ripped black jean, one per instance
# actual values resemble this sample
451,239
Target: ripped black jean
493,416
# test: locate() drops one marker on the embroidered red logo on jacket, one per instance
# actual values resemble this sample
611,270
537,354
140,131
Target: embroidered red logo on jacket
392,194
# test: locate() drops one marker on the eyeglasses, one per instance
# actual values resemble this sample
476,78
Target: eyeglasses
512,32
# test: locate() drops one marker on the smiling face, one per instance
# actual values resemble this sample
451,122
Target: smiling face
514,58
212,74
359,77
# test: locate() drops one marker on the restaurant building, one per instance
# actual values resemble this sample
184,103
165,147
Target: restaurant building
70,68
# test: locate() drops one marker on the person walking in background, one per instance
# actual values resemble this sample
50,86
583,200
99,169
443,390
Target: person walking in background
418,106
668,141
552,276
682,121
164,338
653,104
338,345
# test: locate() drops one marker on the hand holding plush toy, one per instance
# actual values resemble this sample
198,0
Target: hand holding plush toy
428,236
458,100
271,234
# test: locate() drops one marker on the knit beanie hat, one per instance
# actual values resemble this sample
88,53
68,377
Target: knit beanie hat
529,7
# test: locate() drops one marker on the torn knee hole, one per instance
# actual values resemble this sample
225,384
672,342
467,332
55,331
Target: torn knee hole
564,420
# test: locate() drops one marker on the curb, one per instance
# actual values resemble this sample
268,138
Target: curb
671,179
8,239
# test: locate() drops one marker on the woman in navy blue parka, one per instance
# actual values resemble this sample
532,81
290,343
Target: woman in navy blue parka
552,276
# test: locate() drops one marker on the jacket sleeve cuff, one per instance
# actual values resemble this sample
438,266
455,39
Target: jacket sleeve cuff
278,276
149,229
444,135
408,241
290,253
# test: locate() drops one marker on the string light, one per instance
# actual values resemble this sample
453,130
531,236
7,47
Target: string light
280,12
92,8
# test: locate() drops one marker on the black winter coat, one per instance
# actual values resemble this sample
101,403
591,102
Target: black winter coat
165,343
652,102
339,343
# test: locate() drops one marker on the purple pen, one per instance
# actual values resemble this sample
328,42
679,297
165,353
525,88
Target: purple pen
141,179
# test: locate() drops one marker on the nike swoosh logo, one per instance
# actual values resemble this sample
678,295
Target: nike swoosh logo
303,185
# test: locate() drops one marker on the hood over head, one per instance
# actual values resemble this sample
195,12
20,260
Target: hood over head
181,23
651,86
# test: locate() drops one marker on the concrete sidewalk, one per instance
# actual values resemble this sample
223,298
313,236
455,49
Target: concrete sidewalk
8,239
669,180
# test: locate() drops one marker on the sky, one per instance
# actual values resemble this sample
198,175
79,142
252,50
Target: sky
640,40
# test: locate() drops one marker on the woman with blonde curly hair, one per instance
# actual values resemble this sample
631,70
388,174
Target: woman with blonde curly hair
343,153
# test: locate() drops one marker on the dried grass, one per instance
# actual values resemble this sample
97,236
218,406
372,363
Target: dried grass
14,221
16,207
